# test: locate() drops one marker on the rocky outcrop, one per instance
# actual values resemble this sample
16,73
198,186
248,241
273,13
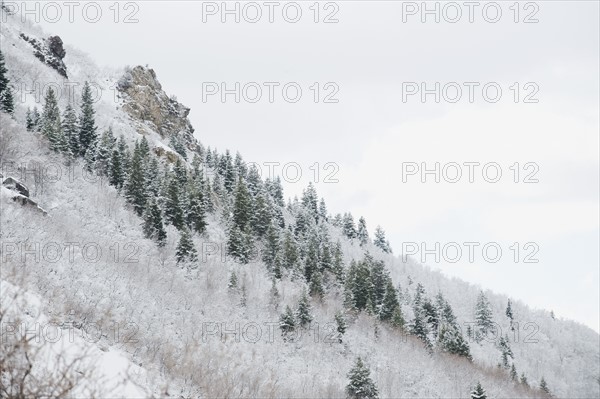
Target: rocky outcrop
50,51
145,101
168,155
19,193
15,185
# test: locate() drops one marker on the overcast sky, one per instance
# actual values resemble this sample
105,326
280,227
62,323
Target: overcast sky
369,57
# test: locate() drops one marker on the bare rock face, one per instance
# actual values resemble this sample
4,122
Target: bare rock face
145,101
55,44
50,51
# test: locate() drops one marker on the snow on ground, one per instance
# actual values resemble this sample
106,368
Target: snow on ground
107,372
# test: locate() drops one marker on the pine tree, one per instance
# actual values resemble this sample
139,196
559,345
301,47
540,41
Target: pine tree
287,323
337,267
233,282
50,120
431,316
361,386
153,178
513,373
544,387
509,312
242,208
4,81
260,217
89,158
450,340
62,144
290,251
116,175
380,240
337,220
418,327
362,233
7,102
370,308
483,315
248,248
419,295
311,264
478,392
348,227
29,125
360,286
235,243
524,380
179,170
303,312
316,285
207,201
341,325
325,259
277,191
277,267
176,144
505,350
239,166
124,155
379,279
87,127
398,318
6,97
390,302
71,130
227,171
271,248
240,245
185,248
106,144
274,295
301,227
196,218
37,120
310,201
322,210
173,205
243,296
445,313
135,186
153,225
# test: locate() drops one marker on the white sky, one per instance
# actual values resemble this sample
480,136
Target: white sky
369,53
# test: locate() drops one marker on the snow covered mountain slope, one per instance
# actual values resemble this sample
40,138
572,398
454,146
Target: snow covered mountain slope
190,328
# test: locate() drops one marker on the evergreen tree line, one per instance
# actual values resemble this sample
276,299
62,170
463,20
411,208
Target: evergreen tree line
160,194
478,392
178,195
436,325
360,232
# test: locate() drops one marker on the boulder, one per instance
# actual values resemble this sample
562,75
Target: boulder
15,185
18,198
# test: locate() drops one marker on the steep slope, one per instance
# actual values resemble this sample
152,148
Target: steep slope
90,261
